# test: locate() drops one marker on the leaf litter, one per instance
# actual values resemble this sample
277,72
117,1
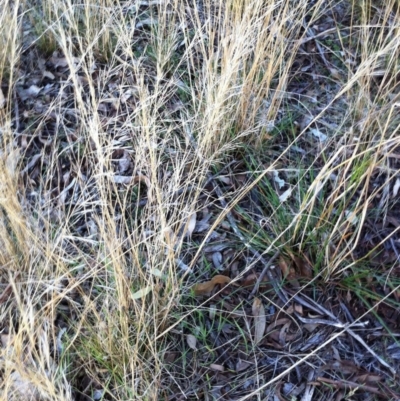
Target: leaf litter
279,327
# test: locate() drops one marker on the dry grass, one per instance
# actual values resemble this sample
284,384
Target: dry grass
92,283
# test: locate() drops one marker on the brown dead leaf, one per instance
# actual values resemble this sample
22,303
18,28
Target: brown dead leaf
249,280
208,286
303,267
6,293
169,356
284,267
368,378
260,320
242,365
277,323
298,308
283,338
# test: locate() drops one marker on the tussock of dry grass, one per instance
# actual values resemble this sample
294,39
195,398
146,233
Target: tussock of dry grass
91,283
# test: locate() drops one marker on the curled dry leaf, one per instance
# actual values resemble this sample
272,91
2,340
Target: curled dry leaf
260,320
191,341
206,287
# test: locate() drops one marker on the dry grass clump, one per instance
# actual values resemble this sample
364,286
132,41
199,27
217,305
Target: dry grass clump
114,116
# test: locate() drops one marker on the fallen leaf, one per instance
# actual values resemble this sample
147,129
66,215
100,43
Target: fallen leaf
249,280
146,22
281,183
276,323
125,162
396,185
216,367
170,356
351,217
156,272
63,61
303,266
284,267
191,341
368,378
6,293
212,312
48,74
285,196
141,293
260,320
122,179
31,92
32,163
225,179
242,365
5,340
2,99
318,134
12,161
191,225
206,287
334,73
217,260
22,388
298,308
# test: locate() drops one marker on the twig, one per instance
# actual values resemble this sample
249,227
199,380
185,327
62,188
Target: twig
144,201
266,267
256,254
347,385
311,33
371,351
16,110
235,228
337,323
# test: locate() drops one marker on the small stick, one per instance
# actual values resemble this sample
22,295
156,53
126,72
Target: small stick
263,273
236,230
255,253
